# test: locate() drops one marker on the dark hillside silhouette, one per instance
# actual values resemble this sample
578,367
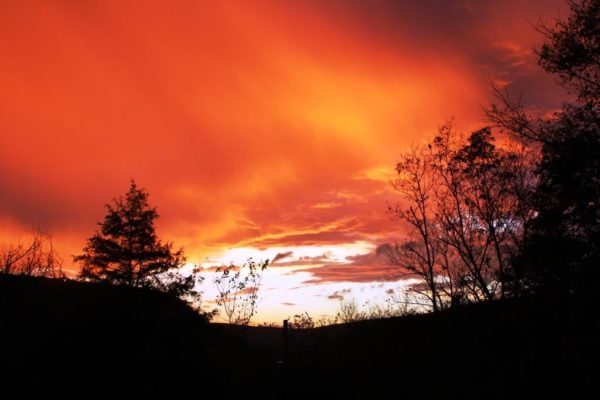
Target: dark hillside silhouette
528,347
64,337
60,335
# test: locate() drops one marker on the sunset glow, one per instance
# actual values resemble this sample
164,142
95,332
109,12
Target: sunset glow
264,129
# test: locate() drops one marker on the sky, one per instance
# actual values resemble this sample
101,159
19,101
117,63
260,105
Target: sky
264,129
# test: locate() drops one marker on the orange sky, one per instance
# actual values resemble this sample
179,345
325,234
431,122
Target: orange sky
258,127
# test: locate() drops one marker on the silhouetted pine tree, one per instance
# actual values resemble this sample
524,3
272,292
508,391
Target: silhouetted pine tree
126,250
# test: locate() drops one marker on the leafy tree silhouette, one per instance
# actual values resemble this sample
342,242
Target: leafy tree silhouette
563,249
572,50
563,244
126,250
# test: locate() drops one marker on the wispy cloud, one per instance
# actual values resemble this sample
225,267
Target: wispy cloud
281,256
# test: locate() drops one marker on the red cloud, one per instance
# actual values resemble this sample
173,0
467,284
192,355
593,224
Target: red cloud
354,273
246,128
368,267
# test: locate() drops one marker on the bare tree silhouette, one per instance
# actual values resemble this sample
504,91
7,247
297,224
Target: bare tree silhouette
465,206
238,290
33,256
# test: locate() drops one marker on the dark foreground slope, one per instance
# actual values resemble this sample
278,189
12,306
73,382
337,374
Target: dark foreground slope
56,335
72,337
532,347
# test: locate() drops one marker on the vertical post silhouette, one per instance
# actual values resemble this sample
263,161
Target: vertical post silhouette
285,358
